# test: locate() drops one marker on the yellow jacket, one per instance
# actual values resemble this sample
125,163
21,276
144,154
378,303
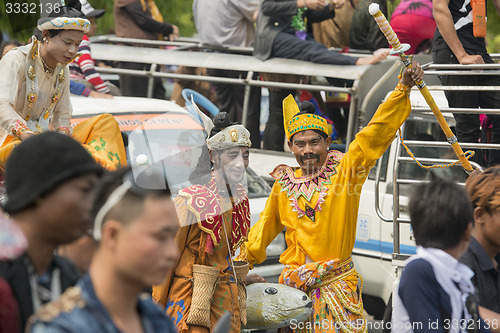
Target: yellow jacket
333,232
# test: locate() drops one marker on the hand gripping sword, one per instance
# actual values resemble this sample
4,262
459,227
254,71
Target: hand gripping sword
398,48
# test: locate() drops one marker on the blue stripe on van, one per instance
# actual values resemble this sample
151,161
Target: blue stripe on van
384,247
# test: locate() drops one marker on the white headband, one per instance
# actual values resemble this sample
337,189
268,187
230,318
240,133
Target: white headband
114,198
66,23
231,136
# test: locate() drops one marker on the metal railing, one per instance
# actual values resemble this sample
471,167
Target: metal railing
431,69
231,58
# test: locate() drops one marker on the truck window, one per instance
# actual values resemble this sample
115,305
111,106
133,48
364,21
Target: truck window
427,129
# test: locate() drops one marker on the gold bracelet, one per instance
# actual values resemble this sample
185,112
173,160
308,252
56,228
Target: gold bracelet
403,87
20,128
63,130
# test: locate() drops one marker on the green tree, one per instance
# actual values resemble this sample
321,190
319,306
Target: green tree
178,12
493,26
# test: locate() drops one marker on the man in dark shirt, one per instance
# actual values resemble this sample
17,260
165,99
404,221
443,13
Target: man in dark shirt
485,274
455,43
141,19
483,254
364,32
435,293
49,183
135,224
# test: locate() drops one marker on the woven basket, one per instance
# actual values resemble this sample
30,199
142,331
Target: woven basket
241,271
204,281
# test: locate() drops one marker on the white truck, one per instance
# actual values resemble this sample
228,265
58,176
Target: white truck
381,245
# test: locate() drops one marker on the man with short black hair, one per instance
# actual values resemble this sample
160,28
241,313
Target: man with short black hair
135,224
435,292
459,40
49,183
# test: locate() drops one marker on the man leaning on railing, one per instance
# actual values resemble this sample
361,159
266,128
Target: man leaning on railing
459,39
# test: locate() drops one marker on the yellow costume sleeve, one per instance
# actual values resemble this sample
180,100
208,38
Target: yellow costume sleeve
372,141
265,230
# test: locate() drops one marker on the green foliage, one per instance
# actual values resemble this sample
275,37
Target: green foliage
19,22
178,12
493,25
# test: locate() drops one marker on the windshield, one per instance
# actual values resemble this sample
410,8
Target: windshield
176,141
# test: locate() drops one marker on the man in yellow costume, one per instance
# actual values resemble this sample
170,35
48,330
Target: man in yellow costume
318,205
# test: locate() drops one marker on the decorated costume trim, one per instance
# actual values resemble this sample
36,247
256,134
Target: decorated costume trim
313,275
307,122
324,282
308,185
295,122
20,128
71,299
229,137
64,23
64,130
402,87
42,124
204,203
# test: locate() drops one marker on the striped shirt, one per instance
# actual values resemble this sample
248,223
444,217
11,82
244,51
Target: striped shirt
83,68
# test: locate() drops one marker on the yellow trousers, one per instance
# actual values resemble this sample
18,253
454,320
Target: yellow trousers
99,135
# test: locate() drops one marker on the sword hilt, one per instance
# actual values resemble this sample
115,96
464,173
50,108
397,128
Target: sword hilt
398,48
386,29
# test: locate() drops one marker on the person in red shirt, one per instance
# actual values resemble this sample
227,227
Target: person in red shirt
12,244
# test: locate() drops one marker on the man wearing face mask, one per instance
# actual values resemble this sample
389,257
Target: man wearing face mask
215,218
318,205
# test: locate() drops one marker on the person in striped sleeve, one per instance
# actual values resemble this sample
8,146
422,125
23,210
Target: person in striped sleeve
82,69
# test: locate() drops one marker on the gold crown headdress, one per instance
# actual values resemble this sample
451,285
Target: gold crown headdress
231,136
295,123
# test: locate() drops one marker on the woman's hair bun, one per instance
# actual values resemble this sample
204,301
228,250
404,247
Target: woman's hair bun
74,4
307,107
221,120
71,8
